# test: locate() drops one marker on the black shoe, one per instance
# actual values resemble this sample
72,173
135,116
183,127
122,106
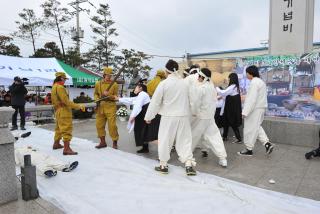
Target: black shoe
190,171
237,141
245,152
14,128
162,169
269,147
22,128
50,173
24,135
145,149
204,154
312,154
71,167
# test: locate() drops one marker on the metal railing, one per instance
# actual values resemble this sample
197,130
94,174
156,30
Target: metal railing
46,112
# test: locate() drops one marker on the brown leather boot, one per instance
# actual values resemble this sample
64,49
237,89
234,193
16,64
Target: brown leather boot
102,143
57,145
115,144
67,150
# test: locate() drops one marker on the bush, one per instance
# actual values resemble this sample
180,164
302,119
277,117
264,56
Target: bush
89,111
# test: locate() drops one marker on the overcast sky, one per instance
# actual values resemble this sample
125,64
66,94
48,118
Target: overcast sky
167,27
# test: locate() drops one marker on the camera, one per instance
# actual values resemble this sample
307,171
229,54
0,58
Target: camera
23,81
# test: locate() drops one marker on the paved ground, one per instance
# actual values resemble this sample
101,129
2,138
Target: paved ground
38,206
292,173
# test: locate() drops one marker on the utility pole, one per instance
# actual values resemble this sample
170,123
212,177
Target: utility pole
78,27
77,33
188,59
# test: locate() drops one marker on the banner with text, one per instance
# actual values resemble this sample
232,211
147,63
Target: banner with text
39,71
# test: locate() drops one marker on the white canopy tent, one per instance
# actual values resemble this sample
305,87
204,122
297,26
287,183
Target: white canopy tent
39,71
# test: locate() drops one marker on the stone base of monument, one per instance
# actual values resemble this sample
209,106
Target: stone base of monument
8,180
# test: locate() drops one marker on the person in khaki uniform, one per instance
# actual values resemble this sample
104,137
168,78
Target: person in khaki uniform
106,111
63,114
152,84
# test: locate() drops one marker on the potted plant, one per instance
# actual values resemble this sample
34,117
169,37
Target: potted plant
122,113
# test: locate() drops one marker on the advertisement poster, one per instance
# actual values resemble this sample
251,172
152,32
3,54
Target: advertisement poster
293,84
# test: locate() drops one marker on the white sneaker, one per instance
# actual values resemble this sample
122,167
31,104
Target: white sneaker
223,162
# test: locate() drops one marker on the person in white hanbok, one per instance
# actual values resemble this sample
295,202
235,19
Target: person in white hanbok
203,126
46,165
136,121
191,78
171,101
255,105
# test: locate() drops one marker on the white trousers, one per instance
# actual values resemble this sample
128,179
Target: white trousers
252,130
175,129
206,132
43,162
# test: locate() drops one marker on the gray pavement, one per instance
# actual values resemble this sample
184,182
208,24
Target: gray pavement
38,206
292,173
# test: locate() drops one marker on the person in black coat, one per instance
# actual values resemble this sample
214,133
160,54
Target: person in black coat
18,92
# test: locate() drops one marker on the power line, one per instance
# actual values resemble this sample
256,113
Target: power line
136,35
69,41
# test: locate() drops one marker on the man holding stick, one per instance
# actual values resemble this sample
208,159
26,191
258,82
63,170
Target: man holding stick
106,108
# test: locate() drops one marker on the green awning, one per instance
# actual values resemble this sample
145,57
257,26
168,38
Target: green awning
79,78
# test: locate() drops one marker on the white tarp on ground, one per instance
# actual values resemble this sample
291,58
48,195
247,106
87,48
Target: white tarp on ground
112,181
39,71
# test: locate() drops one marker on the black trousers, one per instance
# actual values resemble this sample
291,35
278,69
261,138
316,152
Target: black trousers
21,111
235,130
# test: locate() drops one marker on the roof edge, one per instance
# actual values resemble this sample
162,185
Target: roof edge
237,51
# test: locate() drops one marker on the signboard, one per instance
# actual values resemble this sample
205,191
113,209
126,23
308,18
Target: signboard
291,26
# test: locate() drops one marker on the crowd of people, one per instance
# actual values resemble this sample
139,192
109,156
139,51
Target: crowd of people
180,110
31,99
176,109
19,98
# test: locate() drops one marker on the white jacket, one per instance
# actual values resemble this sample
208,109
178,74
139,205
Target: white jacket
192,82
138,102
170,98
256,96
232,90
192,79
204,104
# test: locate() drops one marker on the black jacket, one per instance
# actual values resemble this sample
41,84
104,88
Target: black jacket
18,92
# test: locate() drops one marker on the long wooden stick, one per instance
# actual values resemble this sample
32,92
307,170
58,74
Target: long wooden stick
111,84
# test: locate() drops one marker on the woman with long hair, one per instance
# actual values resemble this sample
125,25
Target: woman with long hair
143,132
231,110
